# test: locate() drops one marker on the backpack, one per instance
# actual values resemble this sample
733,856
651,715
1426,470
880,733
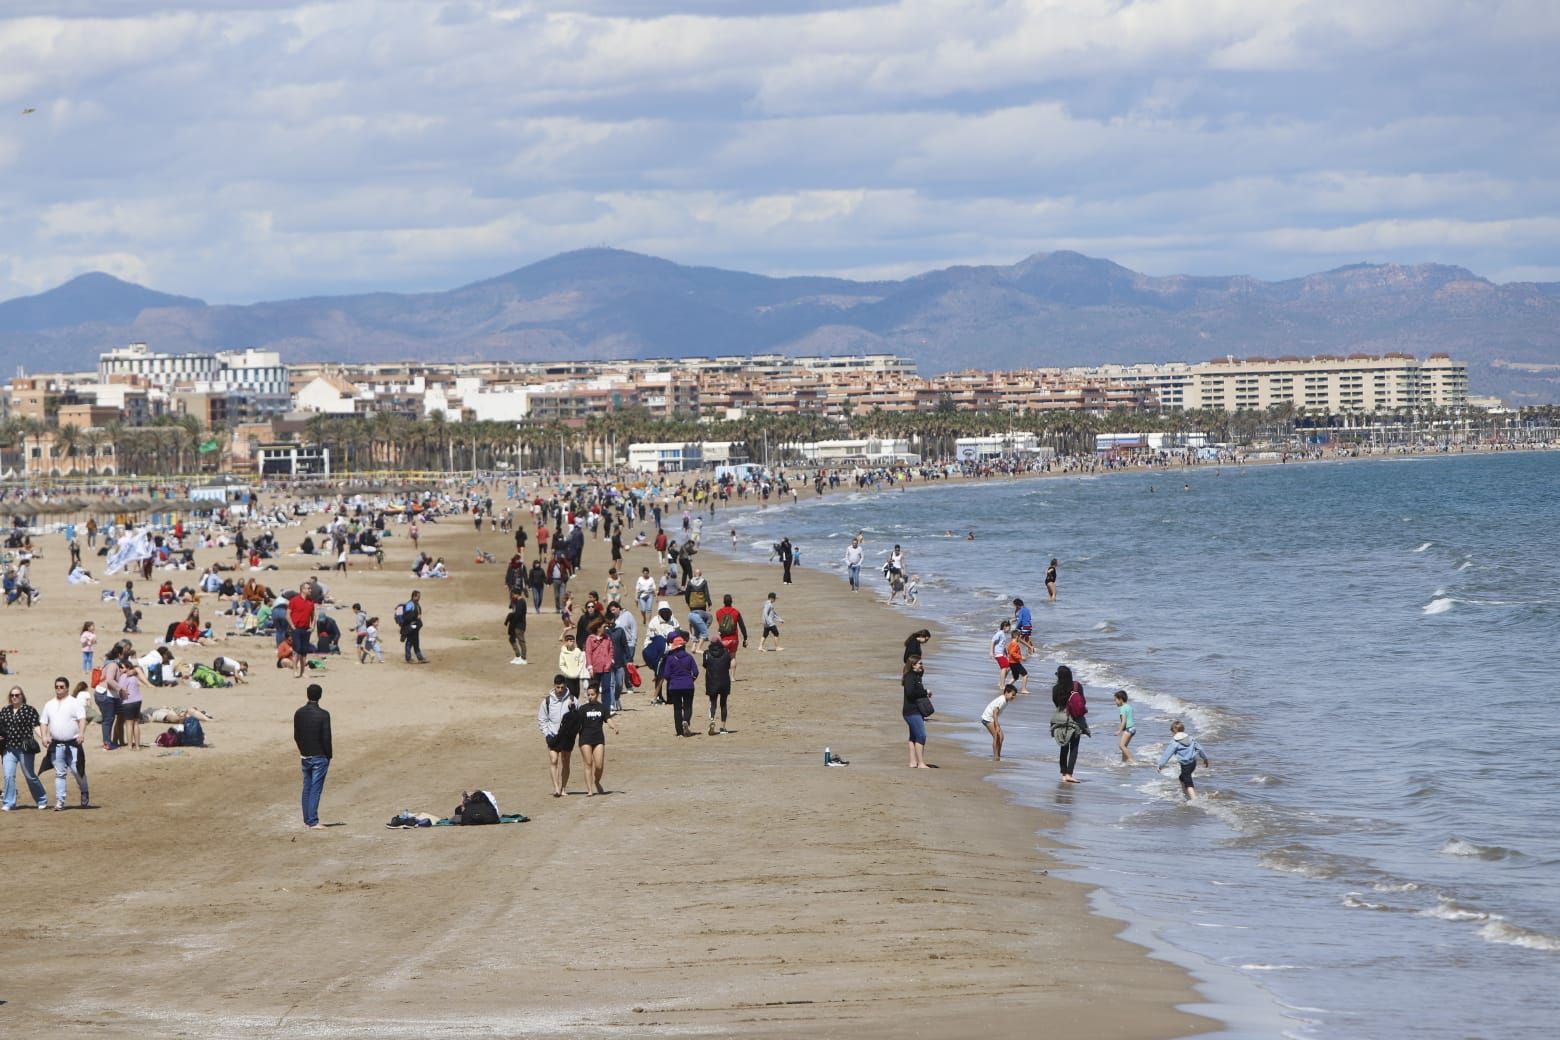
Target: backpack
698,597
169,738
728,624
97,678
194,734
400,613
475,809
207,677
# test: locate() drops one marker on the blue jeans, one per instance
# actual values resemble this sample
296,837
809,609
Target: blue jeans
34,785
108,705
699,624
559,585
314,769
917,728
536,598
607,681
854,570
67,759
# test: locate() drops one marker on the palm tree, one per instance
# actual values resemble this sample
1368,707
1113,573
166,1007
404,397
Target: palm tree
67,439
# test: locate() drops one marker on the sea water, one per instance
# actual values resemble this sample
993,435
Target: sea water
1369,652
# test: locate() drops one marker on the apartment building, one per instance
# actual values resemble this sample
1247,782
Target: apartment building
1325,384
255,382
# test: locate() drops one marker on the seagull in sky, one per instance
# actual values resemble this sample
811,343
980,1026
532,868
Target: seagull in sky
28,111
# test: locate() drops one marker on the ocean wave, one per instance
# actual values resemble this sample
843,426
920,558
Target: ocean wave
1354,901
1447,909
1465,565
1422,548
1396,886
1265,780
1270,967
1508,934
1104,626
1455,846
1439,605
1289,860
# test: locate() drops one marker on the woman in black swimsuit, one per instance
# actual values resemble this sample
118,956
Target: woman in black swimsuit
592,741
1050,579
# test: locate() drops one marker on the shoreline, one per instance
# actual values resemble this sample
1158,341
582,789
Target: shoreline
743,889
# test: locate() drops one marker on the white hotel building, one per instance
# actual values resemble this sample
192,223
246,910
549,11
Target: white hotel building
1326,384
255,382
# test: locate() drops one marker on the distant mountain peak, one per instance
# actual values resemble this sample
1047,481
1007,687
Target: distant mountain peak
92,298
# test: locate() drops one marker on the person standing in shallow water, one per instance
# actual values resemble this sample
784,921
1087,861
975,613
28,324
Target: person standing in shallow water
1050,580
1067,695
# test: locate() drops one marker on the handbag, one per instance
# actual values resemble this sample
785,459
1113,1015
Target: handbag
924,706
30,746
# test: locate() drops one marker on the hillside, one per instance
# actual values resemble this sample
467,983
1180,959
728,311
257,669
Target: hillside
1050,309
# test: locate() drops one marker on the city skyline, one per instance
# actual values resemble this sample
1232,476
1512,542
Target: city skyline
261,150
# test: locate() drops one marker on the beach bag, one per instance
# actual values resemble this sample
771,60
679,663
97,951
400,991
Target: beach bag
728,624
97,680
1063,727
194,734
924,706
169,738
633,676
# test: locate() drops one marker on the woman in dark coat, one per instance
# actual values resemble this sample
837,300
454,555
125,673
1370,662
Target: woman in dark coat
1067,696
914,689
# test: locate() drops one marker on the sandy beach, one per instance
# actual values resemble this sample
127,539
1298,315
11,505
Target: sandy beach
728,886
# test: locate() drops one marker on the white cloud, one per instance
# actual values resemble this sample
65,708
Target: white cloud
242,149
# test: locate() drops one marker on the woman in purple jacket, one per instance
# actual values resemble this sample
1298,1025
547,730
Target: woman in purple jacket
679,669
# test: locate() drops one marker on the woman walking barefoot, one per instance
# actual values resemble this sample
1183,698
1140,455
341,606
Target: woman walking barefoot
592,741
914,690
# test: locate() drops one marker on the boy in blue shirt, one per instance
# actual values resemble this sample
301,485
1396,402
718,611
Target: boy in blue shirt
1186,752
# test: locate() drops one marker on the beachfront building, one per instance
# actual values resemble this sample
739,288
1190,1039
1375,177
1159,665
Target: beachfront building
864,451
1000,445
1326,384
666,456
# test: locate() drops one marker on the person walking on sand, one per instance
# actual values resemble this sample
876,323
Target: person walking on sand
717,682
991,718
1050,580
411,621
1126,726
787,558
64,722
127,602
854,555
729,625
19,728
679,669
559,726
594,716
514,625
311,735
644,594
915,691
88,646
1186,752
772,621
915,643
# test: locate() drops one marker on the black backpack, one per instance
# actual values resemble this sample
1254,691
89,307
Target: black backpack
476,810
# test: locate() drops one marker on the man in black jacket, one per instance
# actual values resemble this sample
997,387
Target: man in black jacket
311,732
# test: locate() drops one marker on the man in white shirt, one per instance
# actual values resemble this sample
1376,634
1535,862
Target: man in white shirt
854,554
64,722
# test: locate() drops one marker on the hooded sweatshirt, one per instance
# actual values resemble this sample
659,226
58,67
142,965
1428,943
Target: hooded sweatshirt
1184,749
717,668
679,669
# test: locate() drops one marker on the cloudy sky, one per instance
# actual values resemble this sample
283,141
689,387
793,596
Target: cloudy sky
254,149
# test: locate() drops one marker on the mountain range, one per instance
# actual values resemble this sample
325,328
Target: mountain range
1058,308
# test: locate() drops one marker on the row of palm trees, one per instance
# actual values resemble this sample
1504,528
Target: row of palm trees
394,442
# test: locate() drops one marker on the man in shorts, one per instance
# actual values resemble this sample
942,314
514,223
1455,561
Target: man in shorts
300,614
999,642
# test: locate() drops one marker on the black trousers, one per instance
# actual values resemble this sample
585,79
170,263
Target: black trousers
1069,754
786,577
682,708
414,644
719,697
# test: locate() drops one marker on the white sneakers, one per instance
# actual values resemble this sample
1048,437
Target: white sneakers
518,660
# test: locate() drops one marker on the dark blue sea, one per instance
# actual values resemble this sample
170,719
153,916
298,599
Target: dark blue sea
1370,653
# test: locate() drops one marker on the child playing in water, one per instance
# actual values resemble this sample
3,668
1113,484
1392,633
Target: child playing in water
913,590
1126,726
991,718
1186,751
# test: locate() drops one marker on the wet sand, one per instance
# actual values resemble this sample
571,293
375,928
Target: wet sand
728,886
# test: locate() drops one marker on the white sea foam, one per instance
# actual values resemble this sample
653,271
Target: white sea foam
1450,910
1508,934
1270,967
1422,548
1396,886
1439,605
1455,846
1465,565
1354,901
